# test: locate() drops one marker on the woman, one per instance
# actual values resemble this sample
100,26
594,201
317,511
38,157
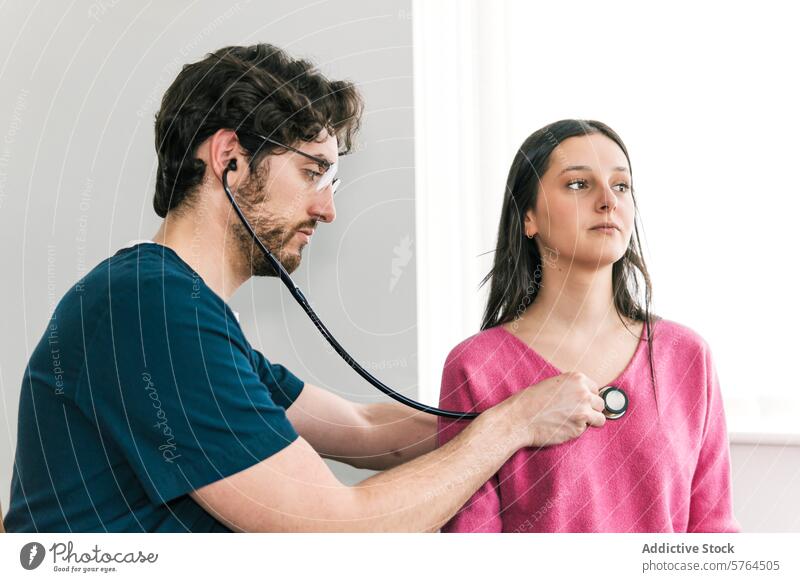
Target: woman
564,296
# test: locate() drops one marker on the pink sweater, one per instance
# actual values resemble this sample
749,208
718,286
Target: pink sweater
645,472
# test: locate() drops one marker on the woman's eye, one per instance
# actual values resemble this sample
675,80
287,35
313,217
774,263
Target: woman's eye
623,187
576,184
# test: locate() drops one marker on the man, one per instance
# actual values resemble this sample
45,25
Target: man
144,407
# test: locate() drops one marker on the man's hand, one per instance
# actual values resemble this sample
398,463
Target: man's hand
555,410
375,436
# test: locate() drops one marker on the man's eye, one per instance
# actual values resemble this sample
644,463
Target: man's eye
577,184
312,175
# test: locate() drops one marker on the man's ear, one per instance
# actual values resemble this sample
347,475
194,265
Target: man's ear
530,228
224,146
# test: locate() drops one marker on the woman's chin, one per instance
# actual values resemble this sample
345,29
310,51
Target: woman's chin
594,260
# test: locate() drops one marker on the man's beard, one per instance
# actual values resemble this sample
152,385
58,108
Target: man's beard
275,238
274,233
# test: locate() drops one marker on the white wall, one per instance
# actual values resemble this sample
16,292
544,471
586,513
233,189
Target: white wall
80,84
766,479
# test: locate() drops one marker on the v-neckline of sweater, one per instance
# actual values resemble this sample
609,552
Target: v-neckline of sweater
613,382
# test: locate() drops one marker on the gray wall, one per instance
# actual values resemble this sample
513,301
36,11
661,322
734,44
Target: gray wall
80,84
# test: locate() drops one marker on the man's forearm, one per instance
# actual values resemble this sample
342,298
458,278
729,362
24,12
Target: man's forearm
368,436
424,493
395,435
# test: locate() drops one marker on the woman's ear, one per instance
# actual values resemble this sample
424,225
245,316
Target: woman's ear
530,224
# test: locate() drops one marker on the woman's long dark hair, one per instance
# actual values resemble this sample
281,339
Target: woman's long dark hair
516,275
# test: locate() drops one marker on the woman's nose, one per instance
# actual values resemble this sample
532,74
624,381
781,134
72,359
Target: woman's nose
608,199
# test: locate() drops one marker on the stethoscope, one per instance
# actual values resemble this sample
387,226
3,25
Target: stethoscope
615,399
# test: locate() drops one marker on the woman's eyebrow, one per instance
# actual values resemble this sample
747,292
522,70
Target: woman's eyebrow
574,169
589,168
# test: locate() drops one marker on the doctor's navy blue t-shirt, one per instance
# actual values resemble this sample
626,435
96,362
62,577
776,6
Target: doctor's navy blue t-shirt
142,389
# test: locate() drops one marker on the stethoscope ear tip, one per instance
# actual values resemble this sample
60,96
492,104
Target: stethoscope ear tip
615,400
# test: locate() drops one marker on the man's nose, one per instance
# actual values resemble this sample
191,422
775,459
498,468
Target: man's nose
323,207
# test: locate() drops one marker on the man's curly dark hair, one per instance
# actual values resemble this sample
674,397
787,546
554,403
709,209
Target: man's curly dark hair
258,88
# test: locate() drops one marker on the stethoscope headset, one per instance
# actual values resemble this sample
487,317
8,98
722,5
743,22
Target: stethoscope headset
614,398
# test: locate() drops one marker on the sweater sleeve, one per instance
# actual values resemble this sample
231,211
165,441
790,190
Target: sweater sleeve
482,512
711,506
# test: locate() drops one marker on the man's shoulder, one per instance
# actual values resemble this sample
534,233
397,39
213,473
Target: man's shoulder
141,276
148,264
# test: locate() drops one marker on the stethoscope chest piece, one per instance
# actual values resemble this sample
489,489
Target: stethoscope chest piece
616,401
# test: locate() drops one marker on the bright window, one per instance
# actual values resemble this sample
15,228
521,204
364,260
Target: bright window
706,102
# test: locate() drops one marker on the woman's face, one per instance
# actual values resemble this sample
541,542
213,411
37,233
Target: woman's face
588,182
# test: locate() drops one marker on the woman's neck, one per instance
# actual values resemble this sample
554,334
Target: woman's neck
574,300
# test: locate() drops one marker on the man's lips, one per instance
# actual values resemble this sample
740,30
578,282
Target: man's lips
306,234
